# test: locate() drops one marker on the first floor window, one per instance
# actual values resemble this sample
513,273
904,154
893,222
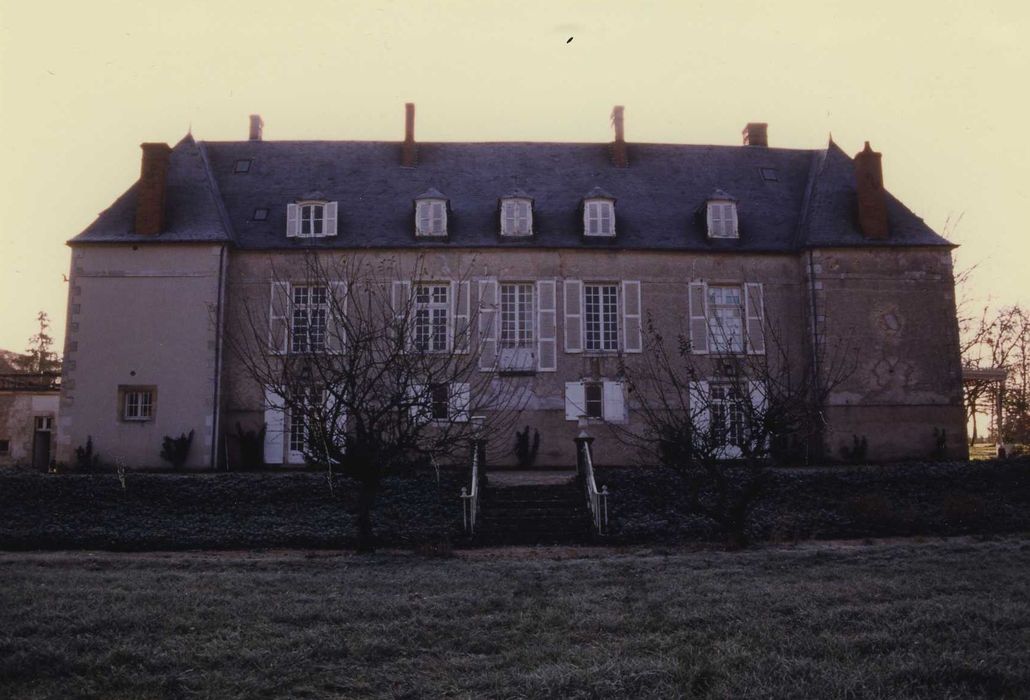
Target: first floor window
727,419
312,219
432,307
725,313
517,315
602,317
594,399
440,397
138,404
310,311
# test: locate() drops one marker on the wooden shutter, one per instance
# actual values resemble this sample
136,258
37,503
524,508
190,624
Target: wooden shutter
336,318
422,218
614,402
488,324
401,302
573,316
546,326
275,427
330,219
699,318
591,218
522,224
575,400
731,219
754,315
279,317
460,308
607,211
439,225
292,220
508,218
631,313
460,402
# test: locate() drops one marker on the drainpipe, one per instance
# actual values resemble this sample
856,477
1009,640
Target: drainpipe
814,324
216,411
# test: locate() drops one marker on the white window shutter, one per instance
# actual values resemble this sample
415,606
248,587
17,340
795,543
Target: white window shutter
292,220
699,318
522,218
575,400
330,219
336,321
631,316
614,402
508,217
607,213
488,314
439,213
573,316
279,317
546,326
422,218
461,402
275,427
754,313
731,219
460,310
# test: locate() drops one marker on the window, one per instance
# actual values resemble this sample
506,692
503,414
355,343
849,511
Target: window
725,328
516,217
769,174
595,400
727,419
602,317
517,315
242,166
44,423
298,433
260,214
137,404
440,398
599,217
5,447
593,393
431,217
722,219
432,307
310,311
312,220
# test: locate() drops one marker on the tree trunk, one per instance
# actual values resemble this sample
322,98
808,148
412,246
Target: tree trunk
366,498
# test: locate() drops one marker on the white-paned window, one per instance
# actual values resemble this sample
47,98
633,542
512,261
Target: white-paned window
722,219
593,399
310,305
298,432
440,401
312,220
725,324
432,310
599,217
431,217
517,327
516,217
727,414
601,309
138,404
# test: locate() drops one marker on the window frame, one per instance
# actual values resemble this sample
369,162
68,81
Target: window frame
603,328
307,307
428,203
718,341
718,227
431,306
727,414
513,230
598,401
605,209
127,391
311,206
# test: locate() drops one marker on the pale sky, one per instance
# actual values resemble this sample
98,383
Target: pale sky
938,87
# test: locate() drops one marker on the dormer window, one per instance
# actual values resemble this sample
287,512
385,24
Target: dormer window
517,215
598,213
431,214
722,216
310,219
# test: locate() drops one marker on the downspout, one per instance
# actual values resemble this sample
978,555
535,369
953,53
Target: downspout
814,326
216,415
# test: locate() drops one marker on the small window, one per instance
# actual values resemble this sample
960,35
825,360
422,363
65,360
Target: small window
260,214
137,404
441,401
431,218
44,423
242,166
516,217
310,311
312,219
594,399
601,311
769,174
722,219
599,217
5,448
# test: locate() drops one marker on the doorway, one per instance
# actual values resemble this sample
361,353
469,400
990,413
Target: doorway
41,442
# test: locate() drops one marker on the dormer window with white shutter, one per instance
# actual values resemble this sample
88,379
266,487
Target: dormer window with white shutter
722,216
599,214
431,214
310,219
517,215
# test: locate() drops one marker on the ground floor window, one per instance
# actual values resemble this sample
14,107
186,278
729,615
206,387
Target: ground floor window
137,403
728,415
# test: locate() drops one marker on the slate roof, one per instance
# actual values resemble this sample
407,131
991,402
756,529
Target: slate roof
810,204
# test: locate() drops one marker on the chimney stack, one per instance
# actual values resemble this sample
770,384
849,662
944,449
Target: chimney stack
872,200
756,134
257,125
620,158
150,190
409,154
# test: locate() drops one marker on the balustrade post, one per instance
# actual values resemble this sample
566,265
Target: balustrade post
583,442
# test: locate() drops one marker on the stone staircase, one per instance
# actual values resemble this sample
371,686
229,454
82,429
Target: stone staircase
531,514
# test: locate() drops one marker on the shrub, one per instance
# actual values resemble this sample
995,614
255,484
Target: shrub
856,454
525,452
940,445
252,446
176,450
86,460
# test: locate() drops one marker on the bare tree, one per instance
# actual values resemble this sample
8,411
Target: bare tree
378,365
990,339
719,419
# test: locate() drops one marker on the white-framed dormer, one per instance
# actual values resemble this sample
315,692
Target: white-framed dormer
721,215
431,214
598,214
516,215
311,218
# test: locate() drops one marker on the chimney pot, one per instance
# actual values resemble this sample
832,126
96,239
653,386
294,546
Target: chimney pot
257,125
756,134
872,198
620,155
409,153
150,190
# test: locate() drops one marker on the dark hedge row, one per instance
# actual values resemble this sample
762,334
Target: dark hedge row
240,510
836,502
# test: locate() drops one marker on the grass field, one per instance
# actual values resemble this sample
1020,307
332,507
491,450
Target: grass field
936,619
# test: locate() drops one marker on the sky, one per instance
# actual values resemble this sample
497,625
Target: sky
937,87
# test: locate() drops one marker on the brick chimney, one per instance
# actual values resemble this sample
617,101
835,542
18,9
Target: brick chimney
756,134
620,158
409,152
257,125
872,200
150,190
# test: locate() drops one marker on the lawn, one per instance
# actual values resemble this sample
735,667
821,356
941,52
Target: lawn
934,619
